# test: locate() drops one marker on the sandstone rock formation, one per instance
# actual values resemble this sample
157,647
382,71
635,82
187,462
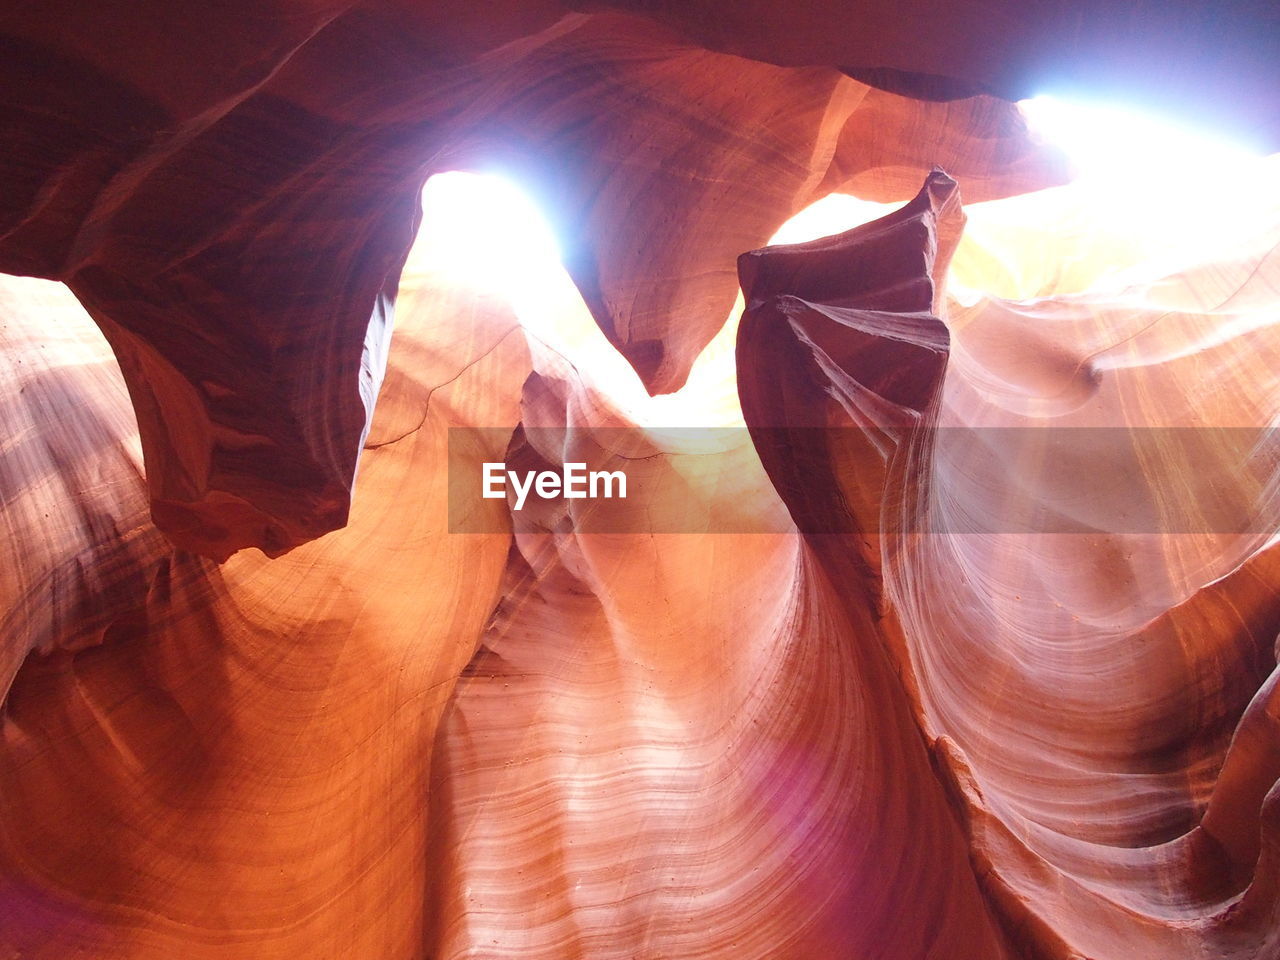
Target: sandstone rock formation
952,634
1089,682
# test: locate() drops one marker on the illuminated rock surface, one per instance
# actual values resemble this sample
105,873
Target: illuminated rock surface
1098,698
231,195
1011,696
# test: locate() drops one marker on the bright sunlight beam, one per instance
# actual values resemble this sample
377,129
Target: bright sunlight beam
481,231
1148,195
1108,141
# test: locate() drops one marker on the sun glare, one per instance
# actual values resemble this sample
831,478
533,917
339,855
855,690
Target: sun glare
1148,198
1108,141
481,231
834,213
1146,193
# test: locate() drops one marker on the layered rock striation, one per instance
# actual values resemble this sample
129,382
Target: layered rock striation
953,635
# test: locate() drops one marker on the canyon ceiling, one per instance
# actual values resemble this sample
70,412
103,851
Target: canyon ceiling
961,645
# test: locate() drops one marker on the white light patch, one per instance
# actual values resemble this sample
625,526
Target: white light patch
1171,194
834,213
1117,143
482,231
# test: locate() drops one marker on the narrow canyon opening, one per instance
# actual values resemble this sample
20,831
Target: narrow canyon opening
931,611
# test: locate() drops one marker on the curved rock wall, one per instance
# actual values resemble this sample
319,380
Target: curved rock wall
973,655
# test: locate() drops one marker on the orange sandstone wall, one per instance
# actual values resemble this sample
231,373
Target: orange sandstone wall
948,706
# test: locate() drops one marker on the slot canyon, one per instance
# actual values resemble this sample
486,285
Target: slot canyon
936,616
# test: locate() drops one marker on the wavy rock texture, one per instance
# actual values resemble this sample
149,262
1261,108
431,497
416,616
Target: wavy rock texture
1100,703
731,809
236,227
316,754
1002,697
241,770
78,544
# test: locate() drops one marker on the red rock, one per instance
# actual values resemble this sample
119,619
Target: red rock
840,684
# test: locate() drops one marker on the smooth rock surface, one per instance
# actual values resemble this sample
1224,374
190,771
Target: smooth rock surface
956,638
